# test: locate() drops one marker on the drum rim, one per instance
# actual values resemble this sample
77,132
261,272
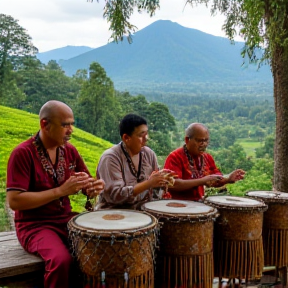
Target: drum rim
268,199
260,207
153,225
181,217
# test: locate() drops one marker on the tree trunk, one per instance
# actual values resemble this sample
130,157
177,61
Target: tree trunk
280,74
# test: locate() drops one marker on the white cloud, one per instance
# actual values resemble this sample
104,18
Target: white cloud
58,23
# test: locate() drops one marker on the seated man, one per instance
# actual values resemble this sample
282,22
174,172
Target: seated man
42,172
129,169
194,167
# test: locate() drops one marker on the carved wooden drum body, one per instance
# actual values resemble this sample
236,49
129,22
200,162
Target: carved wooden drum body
185,257
115,248
275,227
238,250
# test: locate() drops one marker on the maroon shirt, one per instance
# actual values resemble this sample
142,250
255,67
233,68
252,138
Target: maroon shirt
178,162
29,170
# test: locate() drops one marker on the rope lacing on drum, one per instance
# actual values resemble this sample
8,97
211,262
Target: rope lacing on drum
87,245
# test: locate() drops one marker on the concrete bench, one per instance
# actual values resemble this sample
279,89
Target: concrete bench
17,267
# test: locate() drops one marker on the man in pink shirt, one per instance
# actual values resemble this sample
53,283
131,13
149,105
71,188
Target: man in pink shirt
42,172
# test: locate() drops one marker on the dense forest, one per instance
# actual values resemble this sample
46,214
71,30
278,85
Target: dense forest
99,107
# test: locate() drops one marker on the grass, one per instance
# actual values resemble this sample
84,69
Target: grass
16,126
249,146
4,221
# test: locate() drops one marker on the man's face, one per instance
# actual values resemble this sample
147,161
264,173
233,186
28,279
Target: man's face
197,144
61,127
138,139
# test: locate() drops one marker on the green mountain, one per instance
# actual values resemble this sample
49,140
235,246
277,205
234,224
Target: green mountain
166,56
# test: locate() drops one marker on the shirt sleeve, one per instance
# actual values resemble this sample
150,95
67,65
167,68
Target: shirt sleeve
115,191
19,170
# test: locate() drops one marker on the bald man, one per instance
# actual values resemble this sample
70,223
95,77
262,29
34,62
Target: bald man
42,172
196,168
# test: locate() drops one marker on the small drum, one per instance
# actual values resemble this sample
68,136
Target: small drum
238,250
186,243
115,248
275,227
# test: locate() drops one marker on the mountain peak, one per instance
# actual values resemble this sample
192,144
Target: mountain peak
166,52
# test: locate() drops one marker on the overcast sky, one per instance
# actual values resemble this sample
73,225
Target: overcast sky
58,23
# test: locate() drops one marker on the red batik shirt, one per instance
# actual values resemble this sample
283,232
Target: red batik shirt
203,165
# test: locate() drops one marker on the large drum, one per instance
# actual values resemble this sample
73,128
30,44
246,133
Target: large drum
115,248
186,243
238,250
275,227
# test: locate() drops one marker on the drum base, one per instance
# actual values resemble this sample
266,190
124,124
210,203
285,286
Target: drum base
195,271
275,242
145,280
239,259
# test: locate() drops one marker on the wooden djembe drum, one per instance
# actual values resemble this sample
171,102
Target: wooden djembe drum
275,227
238,250
185,256
115,248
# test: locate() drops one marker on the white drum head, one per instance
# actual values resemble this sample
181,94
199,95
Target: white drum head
233,201
178,207
107,220
268,194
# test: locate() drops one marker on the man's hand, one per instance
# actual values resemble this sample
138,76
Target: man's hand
94,187
76,182
235,176
170,176
211,180
156,179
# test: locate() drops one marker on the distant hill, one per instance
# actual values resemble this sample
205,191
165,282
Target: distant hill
167,56
63,53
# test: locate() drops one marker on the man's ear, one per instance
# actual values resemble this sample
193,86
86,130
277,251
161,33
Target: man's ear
186,139
44,123
125,138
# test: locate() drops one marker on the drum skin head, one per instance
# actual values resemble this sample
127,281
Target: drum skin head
113,219
178,207
233,201
268,195
181,209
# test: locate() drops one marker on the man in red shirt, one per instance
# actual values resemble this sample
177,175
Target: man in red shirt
194,167
42,172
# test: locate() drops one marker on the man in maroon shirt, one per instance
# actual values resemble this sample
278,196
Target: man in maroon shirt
42,172
194,167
